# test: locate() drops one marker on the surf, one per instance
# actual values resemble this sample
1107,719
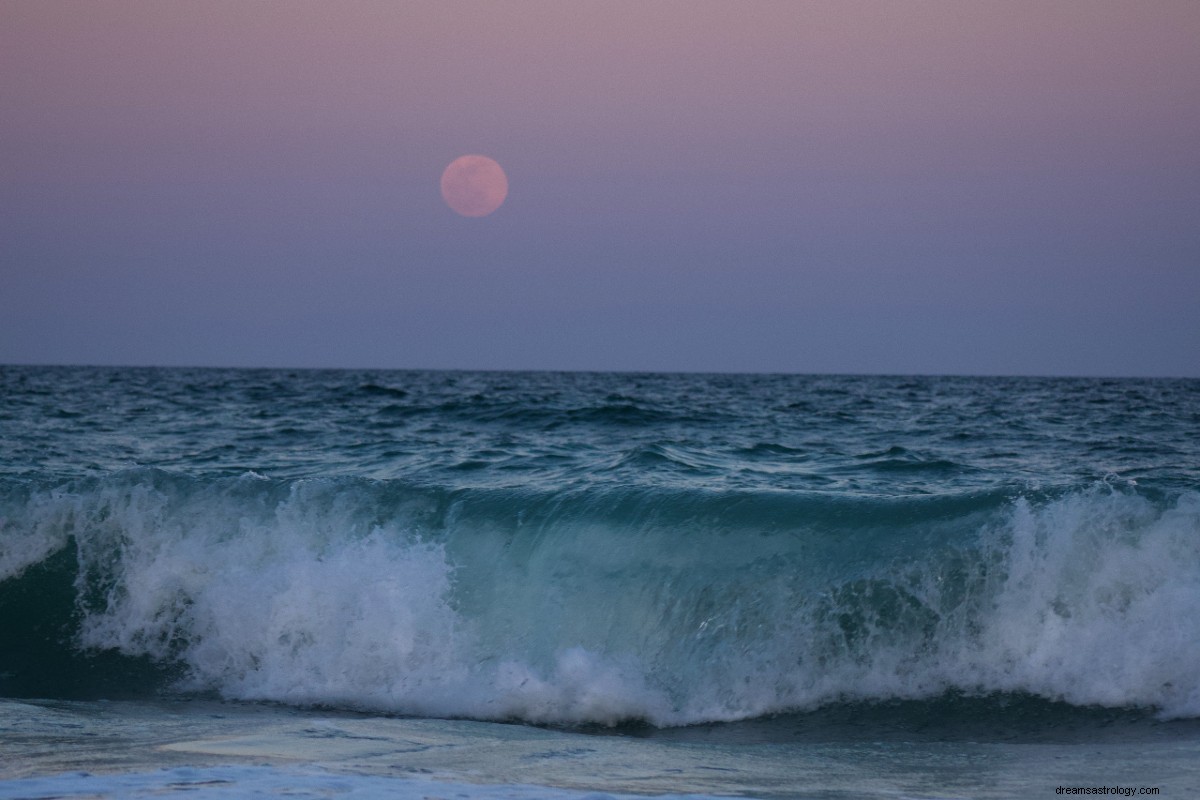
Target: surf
606,605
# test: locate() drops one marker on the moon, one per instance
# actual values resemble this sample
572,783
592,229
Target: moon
474,186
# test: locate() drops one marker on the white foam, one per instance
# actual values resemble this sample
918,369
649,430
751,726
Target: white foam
1100,604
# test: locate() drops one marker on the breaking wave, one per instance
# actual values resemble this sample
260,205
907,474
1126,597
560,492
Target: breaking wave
670,606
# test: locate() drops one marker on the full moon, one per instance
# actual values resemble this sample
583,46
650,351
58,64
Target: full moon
474,186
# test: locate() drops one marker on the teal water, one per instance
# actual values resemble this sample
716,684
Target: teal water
755,558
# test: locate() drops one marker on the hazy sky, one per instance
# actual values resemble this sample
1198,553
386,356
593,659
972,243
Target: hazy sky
934,187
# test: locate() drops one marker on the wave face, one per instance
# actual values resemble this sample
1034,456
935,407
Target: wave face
672,582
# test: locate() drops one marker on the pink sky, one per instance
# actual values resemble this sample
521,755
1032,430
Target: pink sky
784,185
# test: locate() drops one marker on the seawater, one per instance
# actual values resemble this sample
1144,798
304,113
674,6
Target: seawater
756,558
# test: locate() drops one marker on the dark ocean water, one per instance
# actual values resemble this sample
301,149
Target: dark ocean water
863,555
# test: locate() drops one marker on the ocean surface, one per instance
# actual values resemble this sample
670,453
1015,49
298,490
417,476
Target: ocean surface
778,568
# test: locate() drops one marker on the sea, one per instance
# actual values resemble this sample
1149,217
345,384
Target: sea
221,583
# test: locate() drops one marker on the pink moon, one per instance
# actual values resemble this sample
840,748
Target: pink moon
474,186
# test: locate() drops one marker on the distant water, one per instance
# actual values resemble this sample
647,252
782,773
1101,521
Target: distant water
646,551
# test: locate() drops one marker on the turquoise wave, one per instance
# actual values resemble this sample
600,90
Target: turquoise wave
595,605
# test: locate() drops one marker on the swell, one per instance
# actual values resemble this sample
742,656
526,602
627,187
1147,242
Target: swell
671,606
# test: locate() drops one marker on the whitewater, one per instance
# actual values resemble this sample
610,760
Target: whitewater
773,560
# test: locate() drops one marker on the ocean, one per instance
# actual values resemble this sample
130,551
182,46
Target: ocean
252,583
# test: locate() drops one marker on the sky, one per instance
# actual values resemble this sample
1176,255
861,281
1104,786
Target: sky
928,186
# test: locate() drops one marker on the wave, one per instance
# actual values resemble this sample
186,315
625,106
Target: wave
668,606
